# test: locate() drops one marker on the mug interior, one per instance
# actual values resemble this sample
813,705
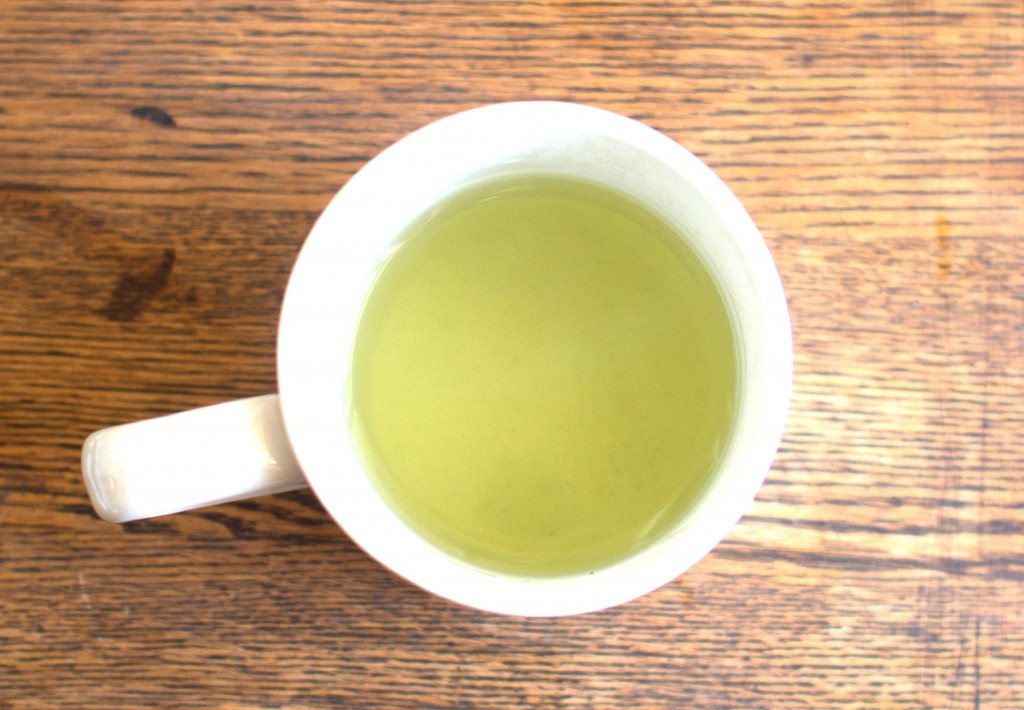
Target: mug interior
352,239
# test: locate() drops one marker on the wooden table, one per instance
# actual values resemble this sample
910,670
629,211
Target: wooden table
160,165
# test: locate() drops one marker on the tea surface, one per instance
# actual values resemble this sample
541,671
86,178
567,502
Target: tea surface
543,376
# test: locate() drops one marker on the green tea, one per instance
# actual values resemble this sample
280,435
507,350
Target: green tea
543,376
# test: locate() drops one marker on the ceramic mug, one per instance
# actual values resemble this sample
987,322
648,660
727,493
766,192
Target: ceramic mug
299,437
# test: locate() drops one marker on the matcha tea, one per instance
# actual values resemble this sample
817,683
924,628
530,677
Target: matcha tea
543,377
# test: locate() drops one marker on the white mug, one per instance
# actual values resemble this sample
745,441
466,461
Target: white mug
300,437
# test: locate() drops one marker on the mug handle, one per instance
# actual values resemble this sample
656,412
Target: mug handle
189,460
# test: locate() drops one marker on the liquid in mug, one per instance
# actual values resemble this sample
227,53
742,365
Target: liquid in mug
543,377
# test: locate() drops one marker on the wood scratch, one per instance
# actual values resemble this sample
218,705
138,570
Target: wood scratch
81,588
944,261
977,662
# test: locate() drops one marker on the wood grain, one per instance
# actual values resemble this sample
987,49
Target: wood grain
160,164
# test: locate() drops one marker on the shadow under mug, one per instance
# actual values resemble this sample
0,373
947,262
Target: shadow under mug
299,437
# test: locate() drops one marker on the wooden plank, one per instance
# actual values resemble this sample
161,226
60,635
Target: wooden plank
160,164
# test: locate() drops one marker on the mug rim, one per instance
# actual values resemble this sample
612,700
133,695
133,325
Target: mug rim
312,381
